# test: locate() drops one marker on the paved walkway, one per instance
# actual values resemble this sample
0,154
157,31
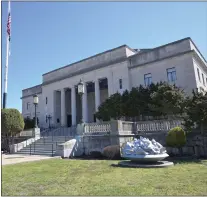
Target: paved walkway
17,158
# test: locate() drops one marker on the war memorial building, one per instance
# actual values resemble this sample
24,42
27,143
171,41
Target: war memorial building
112,71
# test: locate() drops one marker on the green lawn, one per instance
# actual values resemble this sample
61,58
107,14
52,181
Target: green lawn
98,177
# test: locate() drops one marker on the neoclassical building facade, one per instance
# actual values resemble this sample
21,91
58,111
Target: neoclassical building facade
112,71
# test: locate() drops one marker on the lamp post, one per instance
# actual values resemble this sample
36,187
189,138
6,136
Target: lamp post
35,102
81,91
80,128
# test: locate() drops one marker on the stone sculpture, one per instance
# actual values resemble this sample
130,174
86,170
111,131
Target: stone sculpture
143,150
143,146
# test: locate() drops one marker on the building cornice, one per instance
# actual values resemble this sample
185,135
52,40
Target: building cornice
40,85
30,95
83,71
198,51
161,59
197,58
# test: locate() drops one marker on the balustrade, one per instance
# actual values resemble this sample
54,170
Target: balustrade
103,127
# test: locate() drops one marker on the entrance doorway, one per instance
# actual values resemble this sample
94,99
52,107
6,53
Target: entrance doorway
69,120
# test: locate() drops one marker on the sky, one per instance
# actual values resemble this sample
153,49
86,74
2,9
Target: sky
49,35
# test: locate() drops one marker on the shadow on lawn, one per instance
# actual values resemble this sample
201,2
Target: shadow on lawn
185,160
175,160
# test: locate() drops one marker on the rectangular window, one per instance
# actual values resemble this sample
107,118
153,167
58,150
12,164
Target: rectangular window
46,100
203,80
120,84
46,119
148,79
28,106
198,74
171,74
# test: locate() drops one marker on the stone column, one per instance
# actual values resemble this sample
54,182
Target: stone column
85,104
63,114
55,107
110,84
73,105
97,94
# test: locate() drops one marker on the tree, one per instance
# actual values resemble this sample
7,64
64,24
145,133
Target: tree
134,103
154,100
103,112
167,100
125,102
196,111
12,124
111,108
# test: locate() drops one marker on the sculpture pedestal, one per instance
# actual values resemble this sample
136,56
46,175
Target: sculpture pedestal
145,158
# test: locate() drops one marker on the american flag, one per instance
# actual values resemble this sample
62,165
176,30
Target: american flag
9,24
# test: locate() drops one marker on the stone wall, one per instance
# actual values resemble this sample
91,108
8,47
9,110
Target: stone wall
118,133
196,145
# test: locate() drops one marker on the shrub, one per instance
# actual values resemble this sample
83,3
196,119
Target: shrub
112,152
176,138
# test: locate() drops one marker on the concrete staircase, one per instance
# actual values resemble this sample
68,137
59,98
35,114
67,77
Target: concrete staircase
46,146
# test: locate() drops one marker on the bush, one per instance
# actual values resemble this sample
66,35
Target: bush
112,152
176,138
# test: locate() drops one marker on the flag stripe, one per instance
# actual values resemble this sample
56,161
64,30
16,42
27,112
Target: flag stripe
9,26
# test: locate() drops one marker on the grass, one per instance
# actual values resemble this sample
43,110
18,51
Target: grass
98,177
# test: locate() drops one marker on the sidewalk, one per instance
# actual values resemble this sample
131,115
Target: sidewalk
18,158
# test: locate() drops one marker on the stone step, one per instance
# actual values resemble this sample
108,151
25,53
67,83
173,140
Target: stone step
38,148
55,139
48,142
44,144
37,151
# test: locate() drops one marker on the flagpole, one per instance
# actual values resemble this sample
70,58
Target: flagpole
7,62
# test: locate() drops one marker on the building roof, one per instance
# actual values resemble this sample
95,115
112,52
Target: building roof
110,50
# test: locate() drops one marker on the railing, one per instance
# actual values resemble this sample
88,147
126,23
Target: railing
61,131
53,149
92,128
18,146
156,125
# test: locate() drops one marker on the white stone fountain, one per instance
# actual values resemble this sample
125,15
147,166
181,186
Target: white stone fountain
144,152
